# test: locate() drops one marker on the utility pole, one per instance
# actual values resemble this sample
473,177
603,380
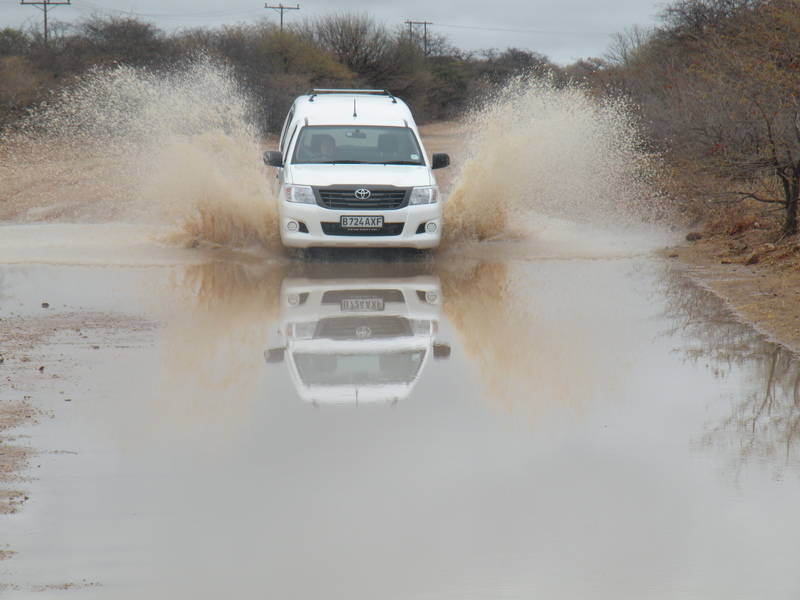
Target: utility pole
424,32
282,10
44,6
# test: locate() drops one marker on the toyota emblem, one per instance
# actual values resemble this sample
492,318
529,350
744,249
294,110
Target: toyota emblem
363,194
363,332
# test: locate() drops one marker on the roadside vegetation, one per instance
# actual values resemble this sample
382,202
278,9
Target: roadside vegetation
716,83
437,80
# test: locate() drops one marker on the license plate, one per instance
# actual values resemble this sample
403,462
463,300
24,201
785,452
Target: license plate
361,222
361,304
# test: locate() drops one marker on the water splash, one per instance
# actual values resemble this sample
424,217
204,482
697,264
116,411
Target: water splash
173,149
537,149
177,150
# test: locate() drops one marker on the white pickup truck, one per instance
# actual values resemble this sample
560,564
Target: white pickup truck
352,172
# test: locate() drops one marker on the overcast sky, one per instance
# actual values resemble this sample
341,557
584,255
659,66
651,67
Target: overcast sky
563,30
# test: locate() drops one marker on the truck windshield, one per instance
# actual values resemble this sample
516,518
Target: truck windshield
358,369
358,145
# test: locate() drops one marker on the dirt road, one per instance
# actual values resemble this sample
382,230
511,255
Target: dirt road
536,400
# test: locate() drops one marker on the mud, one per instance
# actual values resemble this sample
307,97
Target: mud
30,367
756,274
14,456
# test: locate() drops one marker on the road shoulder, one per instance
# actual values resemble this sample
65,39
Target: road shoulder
759,279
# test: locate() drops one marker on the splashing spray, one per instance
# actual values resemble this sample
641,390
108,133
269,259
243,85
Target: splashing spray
174,150
540,149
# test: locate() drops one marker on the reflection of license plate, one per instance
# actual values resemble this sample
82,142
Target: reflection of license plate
361,304
361,222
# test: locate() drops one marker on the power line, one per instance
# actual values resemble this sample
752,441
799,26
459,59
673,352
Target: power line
282,9
424,32
583,33
194,16
44,6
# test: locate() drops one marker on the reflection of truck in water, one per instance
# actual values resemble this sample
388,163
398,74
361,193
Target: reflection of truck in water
358,340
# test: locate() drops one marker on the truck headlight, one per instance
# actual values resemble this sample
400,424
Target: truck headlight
302,194
424,195
301,331
421,326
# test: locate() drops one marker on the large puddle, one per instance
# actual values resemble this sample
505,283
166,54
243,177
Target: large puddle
561,420
541,410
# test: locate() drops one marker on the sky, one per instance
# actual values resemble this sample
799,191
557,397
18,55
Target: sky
562,30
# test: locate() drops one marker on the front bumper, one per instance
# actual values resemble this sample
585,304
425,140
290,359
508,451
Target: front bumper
406,227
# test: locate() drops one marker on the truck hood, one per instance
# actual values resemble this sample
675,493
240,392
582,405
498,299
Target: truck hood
347,174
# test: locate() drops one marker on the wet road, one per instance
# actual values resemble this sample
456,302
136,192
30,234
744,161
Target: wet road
566,419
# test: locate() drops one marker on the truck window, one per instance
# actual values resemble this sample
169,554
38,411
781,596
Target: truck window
359,369
288,141
362,145
285,127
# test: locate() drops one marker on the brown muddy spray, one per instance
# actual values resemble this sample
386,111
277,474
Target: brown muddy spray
172,149
177,149
540,149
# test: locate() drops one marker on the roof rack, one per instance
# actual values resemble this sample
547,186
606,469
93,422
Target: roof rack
315,92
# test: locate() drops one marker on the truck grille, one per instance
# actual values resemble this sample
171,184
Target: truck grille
355,328
344,198
387,229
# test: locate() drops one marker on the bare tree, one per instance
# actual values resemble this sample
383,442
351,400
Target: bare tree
693,18
430,42
122,39
377,55
627,45
741,107
719,86
501,67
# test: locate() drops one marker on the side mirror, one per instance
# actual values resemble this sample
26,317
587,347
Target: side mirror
274,355
440,160
441,351
273,158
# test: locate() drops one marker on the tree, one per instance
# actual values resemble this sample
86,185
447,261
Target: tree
377,56
717,86
291,54
502,67
13,41
741,106
122,39
449,91
19,83
274,66
627,45
691,19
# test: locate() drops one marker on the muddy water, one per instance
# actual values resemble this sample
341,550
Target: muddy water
555,423
542,408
